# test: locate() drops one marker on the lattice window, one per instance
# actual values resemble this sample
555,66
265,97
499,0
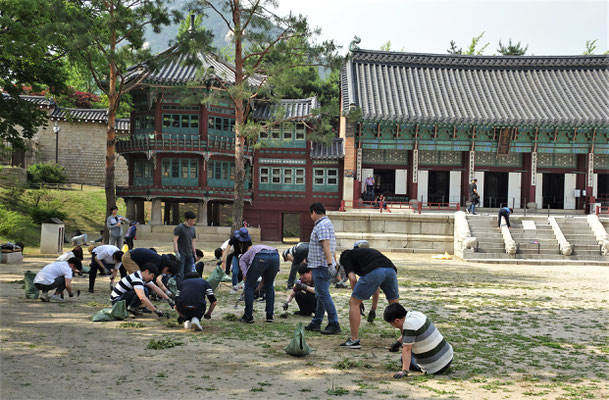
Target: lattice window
493,160
550,160
601,161
432,157
394,157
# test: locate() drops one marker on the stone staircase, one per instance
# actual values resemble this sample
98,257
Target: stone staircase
535,246
580,236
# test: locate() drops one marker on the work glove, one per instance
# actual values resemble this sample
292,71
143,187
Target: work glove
285,306
178,255
332,270
400,374
207,316
170,294
371,316
362,309
171,303
395,346
158,312
300,286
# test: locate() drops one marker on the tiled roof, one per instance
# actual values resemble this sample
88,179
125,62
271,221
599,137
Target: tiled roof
295,109
174,71
99,115
483,90
332,151
41,101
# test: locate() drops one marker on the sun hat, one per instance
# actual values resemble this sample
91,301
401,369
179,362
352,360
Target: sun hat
361,244
244,235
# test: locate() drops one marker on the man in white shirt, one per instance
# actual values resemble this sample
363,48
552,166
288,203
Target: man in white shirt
106,258
58,276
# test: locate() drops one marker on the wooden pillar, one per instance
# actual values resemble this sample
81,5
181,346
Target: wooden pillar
175,213
412,186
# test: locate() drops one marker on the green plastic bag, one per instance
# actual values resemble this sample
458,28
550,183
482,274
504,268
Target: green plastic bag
31,292
298,347
119,310
216,277
172,285
104,314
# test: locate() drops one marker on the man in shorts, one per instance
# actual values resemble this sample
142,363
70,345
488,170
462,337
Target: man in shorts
375,270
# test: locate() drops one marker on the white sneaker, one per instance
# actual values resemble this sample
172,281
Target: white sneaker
196,324
187,324
56,298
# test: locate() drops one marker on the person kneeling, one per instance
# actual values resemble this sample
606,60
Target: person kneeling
304,293
420,340
58,276
134,289
190,304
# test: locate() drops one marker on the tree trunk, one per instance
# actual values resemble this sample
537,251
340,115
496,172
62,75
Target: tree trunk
239,191
110,147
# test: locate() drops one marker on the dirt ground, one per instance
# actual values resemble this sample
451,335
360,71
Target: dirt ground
517,332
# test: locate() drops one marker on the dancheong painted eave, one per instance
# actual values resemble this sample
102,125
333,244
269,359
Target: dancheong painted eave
478,90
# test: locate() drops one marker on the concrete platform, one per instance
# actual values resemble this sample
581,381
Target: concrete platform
15,257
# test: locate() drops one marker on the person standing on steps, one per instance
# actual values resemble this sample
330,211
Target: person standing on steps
184,245
474,197
115,228
321,259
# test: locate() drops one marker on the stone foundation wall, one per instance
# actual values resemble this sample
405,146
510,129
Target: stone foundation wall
82,152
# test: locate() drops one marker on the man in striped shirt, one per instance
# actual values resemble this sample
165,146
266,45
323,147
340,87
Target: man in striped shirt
421,339
134,290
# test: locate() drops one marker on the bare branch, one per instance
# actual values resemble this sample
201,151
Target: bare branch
228,24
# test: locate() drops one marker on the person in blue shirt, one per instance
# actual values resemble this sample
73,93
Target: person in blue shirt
191,305
505,213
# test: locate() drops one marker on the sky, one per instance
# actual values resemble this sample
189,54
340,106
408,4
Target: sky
549,27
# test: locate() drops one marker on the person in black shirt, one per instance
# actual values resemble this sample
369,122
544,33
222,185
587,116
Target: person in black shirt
375,270
240,241
297,255
191,305
304,293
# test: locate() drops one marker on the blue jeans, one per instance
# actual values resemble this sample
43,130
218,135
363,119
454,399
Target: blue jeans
321,278
266,265
385,278
186,263
472,207
235,271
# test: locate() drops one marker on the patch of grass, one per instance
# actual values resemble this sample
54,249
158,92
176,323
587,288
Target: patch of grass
170,323
230,317
97,305
131,324
162,343
349,364
337,391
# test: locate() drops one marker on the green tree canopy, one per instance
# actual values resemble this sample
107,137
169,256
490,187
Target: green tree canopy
512,49
30,54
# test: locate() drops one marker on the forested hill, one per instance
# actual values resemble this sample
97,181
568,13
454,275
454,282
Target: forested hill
213,22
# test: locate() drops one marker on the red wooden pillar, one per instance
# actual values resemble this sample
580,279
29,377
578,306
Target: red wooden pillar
412,186
528,191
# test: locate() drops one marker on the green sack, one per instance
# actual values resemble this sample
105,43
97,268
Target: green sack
216,277
172,285
298,347
103,315
31,292
85,269
119,310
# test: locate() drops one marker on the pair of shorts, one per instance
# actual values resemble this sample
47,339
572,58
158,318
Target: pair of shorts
385,278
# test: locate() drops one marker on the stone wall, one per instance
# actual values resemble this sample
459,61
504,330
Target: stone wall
10,176
82,152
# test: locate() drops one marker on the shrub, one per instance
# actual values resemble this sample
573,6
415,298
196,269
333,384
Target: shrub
46,173
16,227
41,214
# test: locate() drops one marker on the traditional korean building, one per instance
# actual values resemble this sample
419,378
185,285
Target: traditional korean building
532,130
184,153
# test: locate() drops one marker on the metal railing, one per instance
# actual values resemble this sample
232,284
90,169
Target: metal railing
387,206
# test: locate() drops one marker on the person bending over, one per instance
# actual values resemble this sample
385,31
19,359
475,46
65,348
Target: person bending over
107,258
134,289
191,305
420,340
58,276
259,261
304,293
375,270
505,213
296,255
